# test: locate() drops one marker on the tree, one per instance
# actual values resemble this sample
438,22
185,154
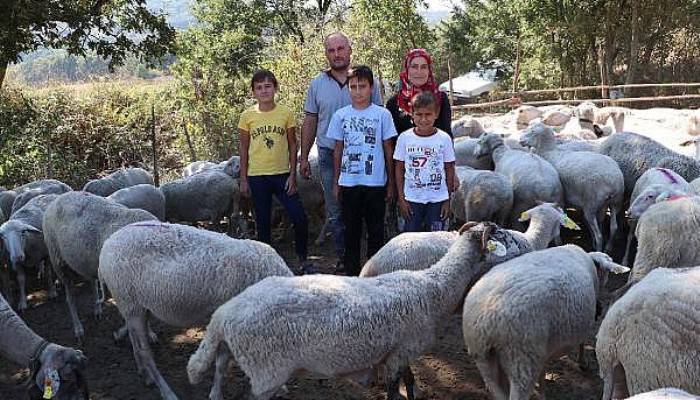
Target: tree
112,29
384,30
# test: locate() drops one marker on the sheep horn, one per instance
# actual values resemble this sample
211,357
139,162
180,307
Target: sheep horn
488,230
467,226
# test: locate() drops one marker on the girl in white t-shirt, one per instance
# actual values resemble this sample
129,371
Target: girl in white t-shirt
424,169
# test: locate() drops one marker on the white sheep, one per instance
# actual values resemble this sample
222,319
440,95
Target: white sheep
660,179
59,368
636,153
669,236
524,114
338,326
649,338
592,182
464,155
179,275
37,188
696,143
467,126
419,250
75,226
23,242
556,117
693,127
533,179
232,167
481,196
529,310
206,196
665,394
143,196
118,179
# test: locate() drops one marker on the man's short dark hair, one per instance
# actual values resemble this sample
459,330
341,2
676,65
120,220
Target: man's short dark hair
361,72
424,99
261,75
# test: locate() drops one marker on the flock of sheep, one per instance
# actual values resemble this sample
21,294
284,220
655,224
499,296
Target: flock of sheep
522,302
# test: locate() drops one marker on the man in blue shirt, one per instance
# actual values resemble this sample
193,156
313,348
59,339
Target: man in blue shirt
327,93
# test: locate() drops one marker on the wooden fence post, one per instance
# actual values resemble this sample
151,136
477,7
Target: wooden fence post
156,177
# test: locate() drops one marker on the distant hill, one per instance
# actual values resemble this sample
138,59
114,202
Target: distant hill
178,11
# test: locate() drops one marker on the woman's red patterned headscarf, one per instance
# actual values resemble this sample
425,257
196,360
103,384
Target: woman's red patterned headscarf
408,90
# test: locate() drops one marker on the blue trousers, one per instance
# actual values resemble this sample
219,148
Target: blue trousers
262,188
325,165
428,214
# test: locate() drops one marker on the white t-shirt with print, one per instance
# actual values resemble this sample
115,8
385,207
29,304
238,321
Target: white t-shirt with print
424,160
363,133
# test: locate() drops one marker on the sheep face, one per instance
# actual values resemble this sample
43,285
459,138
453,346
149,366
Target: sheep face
15,236
486,144
650,196
549,212
536,135
60,375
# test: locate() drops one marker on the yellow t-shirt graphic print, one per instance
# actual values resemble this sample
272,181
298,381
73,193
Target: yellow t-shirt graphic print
268,153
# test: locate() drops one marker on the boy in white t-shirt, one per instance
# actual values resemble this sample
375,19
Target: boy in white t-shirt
425,169
363,180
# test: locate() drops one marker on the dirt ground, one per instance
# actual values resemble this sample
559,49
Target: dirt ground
447,373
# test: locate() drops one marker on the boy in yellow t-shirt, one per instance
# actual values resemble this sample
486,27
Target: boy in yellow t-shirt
268,151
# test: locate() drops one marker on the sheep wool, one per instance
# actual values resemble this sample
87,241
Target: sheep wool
650,337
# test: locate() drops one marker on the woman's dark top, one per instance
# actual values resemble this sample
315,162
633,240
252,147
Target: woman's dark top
403,121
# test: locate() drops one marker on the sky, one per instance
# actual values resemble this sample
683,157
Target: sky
439,5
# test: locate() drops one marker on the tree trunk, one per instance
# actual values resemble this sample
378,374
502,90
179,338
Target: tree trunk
634,49
3,71
193,154
516,73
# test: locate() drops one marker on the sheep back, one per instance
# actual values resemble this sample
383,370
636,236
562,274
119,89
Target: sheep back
143,196
207,196
652,332
409,251
687,167
119,179
532,178
668,236
37,188
179,273
549,294
482,196
76,225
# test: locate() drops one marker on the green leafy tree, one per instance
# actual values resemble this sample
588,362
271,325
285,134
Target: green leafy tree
112,29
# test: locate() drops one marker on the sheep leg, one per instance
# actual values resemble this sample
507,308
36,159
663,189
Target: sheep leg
540,384
138,332
50,281
409,381
22,283
6,284
581,358
78,330
98,289
121,333
594,228
494,378
522,378
613,228
222,358
628,247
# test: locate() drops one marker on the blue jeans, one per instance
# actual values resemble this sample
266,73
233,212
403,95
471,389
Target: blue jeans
262,188
325,165
428,213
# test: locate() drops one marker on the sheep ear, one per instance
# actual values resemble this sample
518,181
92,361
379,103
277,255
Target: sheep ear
524,216
662,197
604,262
568,223
495,247
467,226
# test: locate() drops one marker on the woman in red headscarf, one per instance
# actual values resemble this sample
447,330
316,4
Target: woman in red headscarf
416,77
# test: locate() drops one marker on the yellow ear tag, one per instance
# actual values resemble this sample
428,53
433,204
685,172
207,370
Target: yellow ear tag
524,216
570,224
497,248
48,392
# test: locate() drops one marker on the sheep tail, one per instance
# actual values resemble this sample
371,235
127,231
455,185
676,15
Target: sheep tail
205,355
